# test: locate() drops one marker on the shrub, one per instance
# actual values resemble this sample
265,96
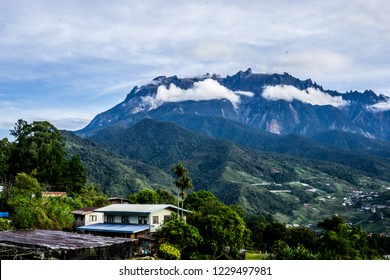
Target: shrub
168,252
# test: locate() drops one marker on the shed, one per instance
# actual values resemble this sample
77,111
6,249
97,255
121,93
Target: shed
60,245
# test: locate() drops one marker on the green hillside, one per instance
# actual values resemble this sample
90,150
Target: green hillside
294,190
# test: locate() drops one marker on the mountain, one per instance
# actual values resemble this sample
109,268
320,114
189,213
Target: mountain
354,142
276,103
294,190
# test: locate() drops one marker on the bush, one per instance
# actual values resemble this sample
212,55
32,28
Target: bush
5,224
168,252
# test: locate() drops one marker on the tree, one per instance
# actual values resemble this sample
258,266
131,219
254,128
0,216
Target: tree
21,201
302,236
224,232
196,199
5,150
342,241
182,235
165,197
182,182
282,251
145,196
91,195
25,185
75,177
38,146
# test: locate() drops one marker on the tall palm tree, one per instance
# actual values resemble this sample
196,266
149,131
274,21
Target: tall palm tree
182,182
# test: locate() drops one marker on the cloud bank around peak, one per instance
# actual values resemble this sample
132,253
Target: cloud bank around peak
311,96
208,89
379,107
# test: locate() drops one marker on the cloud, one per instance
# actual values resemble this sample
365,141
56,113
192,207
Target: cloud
381,106
311,96
208,89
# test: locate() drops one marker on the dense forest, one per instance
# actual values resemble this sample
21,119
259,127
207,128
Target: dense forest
36,161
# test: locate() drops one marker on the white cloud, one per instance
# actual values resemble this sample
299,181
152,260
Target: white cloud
208,89
311,96
382,106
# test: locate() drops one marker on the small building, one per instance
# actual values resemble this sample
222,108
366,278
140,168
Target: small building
86,216
53,194
118,200
131,220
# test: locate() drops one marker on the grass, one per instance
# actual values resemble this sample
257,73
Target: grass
255,255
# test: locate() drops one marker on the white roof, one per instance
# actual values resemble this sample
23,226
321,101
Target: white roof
136,208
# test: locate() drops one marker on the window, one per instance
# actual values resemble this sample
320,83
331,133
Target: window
142,220
110,218
92,218
125,219
155,219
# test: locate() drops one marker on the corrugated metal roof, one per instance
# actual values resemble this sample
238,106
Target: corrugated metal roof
118,228
84,210
136,208
58,239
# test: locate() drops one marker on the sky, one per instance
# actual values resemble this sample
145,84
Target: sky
66,61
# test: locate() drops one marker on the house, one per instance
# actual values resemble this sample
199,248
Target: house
86,216
118,200
131,220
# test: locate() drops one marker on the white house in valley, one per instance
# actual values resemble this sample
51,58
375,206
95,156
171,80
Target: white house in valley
131,220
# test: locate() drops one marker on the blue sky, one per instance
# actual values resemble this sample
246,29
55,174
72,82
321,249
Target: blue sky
66,61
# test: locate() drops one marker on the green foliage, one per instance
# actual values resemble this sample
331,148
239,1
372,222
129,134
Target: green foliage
338,240
148,196
31,210
38,146
224,232
165,197
116,176
182,181
5,224
282,251
38,149
342,241
5,151
196,199
91,195
75,177
168,252
145,196
181,234
24,216
25,185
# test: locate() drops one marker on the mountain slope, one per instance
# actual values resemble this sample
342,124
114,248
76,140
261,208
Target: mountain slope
114,175
354,142
260,182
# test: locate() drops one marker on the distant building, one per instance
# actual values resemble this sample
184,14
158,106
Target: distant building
118,200
53,194
86,216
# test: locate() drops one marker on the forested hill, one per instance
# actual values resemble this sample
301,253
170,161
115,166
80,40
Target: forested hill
125,160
